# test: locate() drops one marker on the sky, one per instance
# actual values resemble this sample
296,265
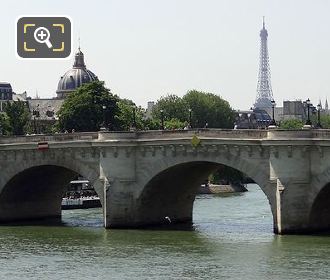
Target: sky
145,49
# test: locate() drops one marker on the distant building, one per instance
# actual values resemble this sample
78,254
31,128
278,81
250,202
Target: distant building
294,110
44,110
150,107
75,77
252,119
6,93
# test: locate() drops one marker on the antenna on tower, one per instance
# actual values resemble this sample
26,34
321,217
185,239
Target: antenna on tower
79,43
263,22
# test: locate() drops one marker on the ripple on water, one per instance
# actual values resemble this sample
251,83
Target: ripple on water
232,239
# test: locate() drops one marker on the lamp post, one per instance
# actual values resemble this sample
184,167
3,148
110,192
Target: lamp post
249,120
273,122
134,118
162,119
34,125
36,115
104,108
318,125
308,103
190,126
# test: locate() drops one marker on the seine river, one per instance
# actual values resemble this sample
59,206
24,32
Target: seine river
232,239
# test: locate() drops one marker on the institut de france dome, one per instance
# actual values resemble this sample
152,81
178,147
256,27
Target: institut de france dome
75,77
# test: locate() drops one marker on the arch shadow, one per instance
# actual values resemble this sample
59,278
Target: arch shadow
319,217
171,193
35,193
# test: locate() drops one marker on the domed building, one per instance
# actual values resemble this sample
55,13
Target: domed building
75,77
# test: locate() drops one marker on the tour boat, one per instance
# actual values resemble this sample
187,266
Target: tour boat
81,203
80,195
208,188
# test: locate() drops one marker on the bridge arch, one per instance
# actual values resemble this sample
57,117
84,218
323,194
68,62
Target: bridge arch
33,189
319,217
174,183
319,201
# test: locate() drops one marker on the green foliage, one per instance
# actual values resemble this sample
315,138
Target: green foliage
173,106
325,121
206,108
83,109
125,115
5,128
18,117
227,174
291,124
209,108
151,124
174,124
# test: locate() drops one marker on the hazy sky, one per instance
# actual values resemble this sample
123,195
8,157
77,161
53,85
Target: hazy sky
144,49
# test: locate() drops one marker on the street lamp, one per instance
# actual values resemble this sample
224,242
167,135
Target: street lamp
273,122
36,115
104,108
162,119
318,125
308,103
249,120
134,117
190,126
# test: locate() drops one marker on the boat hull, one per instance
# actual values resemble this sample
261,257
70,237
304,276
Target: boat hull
80,203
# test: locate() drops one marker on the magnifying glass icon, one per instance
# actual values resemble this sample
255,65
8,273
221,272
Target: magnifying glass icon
42,35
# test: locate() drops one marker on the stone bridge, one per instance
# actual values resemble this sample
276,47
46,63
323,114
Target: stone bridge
144,176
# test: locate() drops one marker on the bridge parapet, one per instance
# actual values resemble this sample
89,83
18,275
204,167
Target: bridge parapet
113,136
308,134
179,134
61,137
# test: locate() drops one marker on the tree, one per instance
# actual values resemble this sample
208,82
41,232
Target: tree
174,124
173,107
291,124
128,113
5,128
208,108
18,117
228,174
325,121
88,108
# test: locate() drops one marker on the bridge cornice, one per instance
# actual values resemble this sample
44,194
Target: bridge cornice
138,138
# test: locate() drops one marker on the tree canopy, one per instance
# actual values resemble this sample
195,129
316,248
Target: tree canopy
17,117
88,108
209,108
129,115
325,121
173,106
291,124
5,128
206,108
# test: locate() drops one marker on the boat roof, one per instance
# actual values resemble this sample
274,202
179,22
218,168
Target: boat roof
79,182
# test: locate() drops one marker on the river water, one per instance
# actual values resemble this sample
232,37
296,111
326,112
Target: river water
232,239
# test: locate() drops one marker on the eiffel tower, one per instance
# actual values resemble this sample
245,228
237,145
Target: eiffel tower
264,88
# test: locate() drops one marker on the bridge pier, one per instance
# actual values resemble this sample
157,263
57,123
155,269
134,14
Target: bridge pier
291,176
119,206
